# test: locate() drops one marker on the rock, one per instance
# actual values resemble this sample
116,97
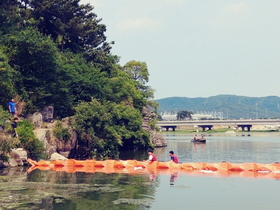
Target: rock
18,157
36,119
64,147
44,136
156,137
47,113
56,156
53,144
13,163
3,164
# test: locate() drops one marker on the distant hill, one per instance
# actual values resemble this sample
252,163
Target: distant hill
232,106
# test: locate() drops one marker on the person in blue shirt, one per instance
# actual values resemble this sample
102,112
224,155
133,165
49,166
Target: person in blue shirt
12,107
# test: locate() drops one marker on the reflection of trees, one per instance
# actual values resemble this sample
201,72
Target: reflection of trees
134,155
59,190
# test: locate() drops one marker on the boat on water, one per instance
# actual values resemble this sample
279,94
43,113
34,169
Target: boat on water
199,140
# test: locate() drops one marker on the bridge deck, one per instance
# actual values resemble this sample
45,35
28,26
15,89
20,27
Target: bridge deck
220,122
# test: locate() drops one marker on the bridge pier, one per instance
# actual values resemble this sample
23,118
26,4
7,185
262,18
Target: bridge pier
245,126
169,126
205,126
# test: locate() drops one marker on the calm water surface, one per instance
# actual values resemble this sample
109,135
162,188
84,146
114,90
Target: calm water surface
82,191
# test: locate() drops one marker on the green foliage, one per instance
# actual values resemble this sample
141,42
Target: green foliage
9,15
60,132
4,115
71,25
153,123
7,75
137,71
33,56
7,142
183,115
6,145
104,128
28,141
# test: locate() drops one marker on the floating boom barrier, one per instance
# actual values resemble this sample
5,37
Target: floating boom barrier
254,170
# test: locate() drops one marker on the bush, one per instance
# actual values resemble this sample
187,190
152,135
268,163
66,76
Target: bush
28,141
60,132
4,115
6,145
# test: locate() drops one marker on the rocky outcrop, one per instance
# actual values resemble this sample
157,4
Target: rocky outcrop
60,148
52,143
36,119
18,157
156,137
65,146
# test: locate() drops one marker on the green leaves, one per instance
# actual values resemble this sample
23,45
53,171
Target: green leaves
107,127
7,76
137,71
28,140
182,115
72,25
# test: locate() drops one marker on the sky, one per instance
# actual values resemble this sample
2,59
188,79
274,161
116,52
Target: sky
198,48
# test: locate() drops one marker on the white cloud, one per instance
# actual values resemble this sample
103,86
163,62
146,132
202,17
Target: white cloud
139,23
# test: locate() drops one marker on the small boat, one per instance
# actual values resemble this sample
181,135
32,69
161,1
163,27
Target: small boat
199,140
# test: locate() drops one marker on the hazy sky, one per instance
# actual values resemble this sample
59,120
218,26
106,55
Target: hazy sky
198,48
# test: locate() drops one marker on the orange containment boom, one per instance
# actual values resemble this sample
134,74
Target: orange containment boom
134,167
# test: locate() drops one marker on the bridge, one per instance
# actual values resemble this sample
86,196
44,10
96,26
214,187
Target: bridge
208,124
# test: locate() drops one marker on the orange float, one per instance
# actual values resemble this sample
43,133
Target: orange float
254,170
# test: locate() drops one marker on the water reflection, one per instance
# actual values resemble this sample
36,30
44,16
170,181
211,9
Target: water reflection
220,190
59,190
173,177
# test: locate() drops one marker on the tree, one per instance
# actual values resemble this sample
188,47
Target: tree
9,15
34,57
137,71
104,128
7,76
72,25
182,115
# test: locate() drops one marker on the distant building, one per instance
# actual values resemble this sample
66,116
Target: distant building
169,116
172,116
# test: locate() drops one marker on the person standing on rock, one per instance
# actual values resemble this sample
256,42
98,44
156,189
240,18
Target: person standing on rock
12,107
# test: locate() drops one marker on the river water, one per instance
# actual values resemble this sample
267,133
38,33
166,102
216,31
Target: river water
47,189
